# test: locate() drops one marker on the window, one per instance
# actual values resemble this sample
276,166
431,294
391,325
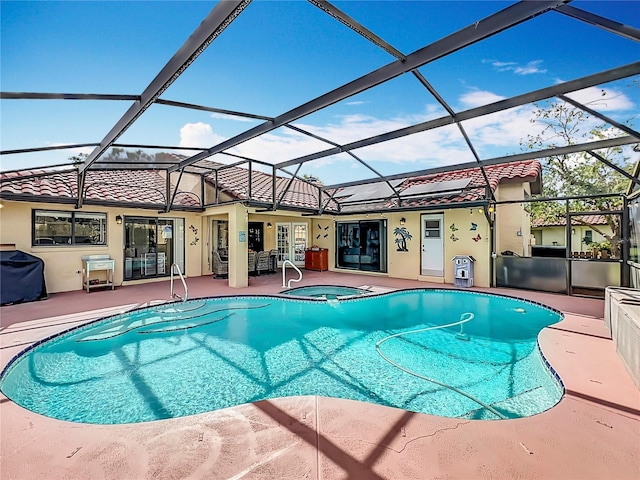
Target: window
69,228
588,237
432,228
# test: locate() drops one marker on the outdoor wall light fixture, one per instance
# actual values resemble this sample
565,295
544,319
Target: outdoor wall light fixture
573,231
269,225
403,221
119,220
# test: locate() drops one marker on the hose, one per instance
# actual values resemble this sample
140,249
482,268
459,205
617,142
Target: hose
469,317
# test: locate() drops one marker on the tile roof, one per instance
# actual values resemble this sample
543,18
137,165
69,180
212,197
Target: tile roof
235,182
523,171
123,186
562,221
148,186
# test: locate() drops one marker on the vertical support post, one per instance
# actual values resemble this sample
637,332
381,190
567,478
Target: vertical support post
625,244
273,187
167,195
238,224
202,191
568,261
217,187
81,179
492,243
249,188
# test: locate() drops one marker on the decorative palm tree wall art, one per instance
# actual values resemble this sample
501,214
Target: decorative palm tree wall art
402,235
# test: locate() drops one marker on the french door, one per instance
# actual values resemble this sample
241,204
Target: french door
291,242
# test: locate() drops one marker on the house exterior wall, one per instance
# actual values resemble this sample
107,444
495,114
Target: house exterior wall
557,234
465,232
512,222
63,264
408,264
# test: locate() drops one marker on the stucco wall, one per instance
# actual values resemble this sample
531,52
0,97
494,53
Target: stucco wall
512,222
558,235
457,222
63,263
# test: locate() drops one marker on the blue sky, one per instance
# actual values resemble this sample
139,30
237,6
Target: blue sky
279,54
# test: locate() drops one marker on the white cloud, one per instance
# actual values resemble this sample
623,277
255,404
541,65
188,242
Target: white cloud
236,118
492,135
199,135
73,151
603,99
477,98
356,102
503,129
531,67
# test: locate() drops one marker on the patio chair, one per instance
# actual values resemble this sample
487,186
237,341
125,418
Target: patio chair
251,262
262,261
273,260
220,267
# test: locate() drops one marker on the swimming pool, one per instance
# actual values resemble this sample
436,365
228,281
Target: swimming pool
329,292
186,358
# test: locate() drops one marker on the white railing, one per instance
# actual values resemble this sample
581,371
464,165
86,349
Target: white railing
284,270
175,267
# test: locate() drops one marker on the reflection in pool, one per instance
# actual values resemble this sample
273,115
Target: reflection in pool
186,358
329,292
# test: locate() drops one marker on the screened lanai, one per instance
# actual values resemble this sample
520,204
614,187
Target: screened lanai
348,100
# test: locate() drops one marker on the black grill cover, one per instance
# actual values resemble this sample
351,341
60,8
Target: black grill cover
21,277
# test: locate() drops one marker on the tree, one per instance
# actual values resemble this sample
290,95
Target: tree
578,173
78,159
312,179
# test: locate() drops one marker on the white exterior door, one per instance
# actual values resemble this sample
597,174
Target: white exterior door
299,243
283,242
432,245
291,241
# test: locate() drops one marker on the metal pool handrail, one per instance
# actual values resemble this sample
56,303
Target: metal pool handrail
184,284
284,264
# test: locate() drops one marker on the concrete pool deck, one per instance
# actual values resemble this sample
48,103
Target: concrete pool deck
594,432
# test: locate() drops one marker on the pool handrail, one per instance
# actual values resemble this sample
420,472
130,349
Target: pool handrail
288,284
184,284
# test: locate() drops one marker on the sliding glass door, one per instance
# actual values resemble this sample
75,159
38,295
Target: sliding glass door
152,245
362,245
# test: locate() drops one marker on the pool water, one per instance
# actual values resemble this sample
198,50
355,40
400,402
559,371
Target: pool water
186,358
329,292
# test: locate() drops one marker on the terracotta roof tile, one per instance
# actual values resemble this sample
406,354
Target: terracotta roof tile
148,186
126,186
235,182
527,170
562,221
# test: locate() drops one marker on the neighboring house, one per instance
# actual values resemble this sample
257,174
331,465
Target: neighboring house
146,221
586,231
